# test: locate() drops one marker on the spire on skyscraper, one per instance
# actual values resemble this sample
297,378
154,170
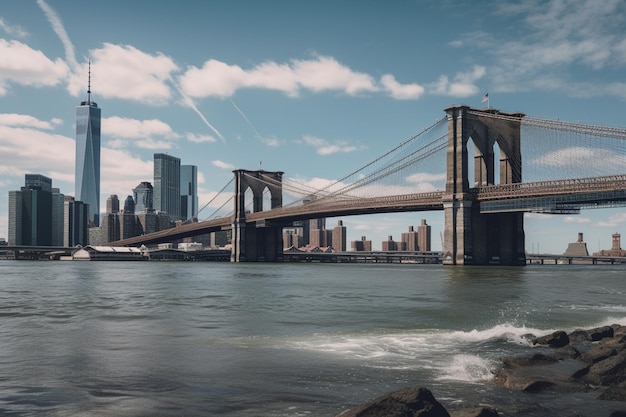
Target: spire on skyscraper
89,83
89,102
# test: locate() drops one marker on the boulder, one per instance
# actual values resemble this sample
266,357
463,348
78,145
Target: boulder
607,372
579,335
556,339
600,333
598,353
614,393
475,412
407,402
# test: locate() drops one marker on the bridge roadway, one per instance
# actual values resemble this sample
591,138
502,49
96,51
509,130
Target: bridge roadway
558,196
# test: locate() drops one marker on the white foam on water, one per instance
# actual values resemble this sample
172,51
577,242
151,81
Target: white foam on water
467,368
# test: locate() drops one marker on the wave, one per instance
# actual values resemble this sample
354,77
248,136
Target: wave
451,355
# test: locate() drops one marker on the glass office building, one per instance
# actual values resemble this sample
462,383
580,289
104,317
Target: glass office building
87,170
167,184
188,192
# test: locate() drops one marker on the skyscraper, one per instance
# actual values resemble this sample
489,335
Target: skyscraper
30,212
167,184
188,192
143,197
423,233
75,229
87,170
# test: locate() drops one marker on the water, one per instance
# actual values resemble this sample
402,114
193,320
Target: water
220,339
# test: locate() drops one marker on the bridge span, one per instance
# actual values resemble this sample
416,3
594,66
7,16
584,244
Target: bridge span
483,222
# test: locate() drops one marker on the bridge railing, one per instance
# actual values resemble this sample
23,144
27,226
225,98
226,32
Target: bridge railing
324,206
492,192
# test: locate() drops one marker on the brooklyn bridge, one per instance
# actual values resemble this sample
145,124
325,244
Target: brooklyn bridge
469,164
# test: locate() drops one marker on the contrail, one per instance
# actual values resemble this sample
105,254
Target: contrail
189,102
245,118
57,26
70,56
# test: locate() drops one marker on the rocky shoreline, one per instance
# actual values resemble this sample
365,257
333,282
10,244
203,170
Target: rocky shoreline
590,363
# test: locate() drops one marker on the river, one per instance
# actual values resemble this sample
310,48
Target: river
257,339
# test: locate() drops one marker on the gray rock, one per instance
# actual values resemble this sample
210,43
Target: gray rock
614,393
556,339
579,335
475,412
407,402
610,371
600,333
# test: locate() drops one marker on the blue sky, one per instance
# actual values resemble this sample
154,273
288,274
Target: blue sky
312,88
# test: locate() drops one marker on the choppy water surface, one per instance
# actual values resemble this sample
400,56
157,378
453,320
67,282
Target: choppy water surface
209,339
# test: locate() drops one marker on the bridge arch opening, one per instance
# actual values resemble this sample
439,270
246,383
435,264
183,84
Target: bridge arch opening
472,180
267,199
497,179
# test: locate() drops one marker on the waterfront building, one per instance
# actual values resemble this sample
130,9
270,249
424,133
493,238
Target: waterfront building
292,237
58,201
424,237
409,239
362,245
30,212
15,218
616,249
152,222
389,245
339,237
143,197
75,222
578,248
188,192
87,168
167,185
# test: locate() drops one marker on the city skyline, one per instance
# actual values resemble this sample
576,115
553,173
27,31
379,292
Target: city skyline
314,89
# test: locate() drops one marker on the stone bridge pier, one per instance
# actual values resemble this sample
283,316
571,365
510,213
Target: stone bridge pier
472,237
252,242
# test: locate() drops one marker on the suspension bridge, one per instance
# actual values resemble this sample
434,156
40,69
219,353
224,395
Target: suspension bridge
469,164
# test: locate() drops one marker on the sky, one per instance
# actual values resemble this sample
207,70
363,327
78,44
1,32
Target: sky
315,89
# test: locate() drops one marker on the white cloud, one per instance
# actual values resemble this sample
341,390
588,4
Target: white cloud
613,221
37,151
576,219
426,182
556,36
24,120
145,134
125,72
326,74
401,91
600,161
222,165
271,142
13,30
23,65
324,147
195,138
219,79
123,127
463,84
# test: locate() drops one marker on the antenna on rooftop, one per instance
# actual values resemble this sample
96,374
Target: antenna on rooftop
89,84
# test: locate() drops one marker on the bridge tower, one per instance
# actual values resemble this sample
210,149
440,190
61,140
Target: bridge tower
472,237
256,242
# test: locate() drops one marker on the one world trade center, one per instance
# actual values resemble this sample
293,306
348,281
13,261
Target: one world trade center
87,171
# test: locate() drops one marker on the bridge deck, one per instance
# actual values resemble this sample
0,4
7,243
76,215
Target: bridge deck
560,196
